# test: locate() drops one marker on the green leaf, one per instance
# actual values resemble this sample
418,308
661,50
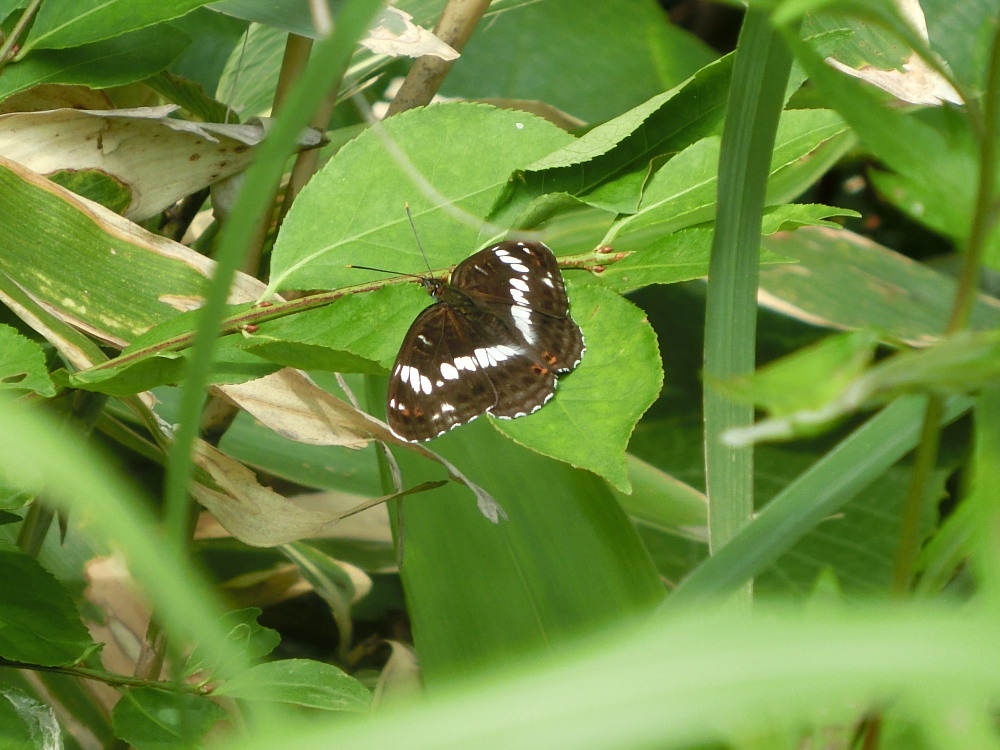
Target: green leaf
791,216
60,25
934,159
151,719
442,144
39,623
252,639
857,543
589,422
12,498
641,54
188,94
678,256
22,364
683,191
889,293
301,682
95,185
566,560
113,62
817,494
340,337
250,76
231,365
683,255
609,165
807,378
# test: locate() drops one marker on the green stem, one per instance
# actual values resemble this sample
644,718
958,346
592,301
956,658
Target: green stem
916,496
330,59
983,221
756,98
15,33
108,678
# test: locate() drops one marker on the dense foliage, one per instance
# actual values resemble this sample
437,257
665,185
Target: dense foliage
762,512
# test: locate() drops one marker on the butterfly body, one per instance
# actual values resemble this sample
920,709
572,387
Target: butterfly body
494,342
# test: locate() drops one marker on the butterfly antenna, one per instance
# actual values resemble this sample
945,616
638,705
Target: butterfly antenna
416,236
384,270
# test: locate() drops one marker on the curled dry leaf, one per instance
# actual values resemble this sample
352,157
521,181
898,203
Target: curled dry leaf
112,591
55,96
156,158
296,408
395,34
915,82
400,679
254,514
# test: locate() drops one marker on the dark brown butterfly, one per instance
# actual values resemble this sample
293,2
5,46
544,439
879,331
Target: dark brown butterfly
495,342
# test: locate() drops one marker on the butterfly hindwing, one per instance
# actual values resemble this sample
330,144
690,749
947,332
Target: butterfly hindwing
434,386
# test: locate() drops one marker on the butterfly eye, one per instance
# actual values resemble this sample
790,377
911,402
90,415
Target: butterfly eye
492,343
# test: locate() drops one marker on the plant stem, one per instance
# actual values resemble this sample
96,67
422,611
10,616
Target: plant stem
15,33
984,217
760,71
108,678
331,58
457,22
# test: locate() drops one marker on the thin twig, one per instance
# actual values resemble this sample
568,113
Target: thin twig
15,33
983,221
458,20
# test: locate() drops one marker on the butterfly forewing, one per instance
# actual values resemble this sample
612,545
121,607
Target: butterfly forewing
524,273
494,342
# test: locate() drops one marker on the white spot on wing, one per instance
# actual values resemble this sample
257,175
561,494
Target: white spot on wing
519,284
449,371
519,267
425,384
447,408
499,353
522,319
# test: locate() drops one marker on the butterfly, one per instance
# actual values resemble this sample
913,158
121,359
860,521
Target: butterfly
494,342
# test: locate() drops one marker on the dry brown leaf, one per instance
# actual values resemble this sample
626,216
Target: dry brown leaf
158,158
395,34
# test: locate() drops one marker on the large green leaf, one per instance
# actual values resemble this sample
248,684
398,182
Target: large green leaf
448,161
609,165
641,53
112,62
150,719
301,682
564,561
61,25
39,623
843,280
711,678
590,421
683,192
